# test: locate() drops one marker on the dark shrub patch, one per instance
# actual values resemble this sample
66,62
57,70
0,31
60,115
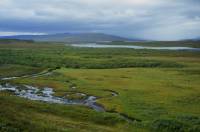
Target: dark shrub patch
168,125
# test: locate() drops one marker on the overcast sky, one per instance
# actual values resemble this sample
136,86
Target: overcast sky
148,19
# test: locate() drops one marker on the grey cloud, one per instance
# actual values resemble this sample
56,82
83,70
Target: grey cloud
155,19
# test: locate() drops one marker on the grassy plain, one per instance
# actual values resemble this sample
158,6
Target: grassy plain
158,88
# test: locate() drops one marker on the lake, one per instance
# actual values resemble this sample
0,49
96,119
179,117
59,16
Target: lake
95,45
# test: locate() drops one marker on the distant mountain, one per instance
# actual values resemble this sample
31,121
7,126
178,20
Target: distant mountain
192,39
71,37
198,39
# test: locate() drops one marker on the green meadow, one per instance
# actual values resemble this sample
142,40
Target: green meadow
157,90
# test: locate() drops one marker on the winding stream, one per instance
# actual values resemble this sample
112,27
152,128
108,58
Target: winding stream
32,75
46,94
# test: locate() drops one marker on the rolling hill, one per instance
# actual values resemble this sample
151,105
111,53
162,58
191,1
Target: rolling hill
71,37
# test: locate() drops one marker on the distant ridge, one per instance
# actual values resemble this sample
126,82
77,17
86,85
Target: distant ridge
71,37
197,39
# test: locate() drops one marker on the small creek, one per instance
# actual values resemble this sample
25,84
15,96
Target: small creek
46,94
32,75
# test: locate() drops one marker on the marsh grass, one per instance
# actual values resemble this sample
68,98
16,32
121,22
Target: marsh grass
161,89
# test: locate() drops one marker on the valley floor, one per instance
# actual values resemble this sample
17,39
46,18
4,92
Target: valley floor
156,91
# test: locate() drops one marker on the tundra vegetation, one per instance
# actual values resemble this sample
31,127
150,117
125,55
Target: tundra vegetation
157,90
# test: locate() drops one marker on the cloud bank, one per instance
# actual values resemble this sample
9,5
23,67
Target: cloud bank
148,19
